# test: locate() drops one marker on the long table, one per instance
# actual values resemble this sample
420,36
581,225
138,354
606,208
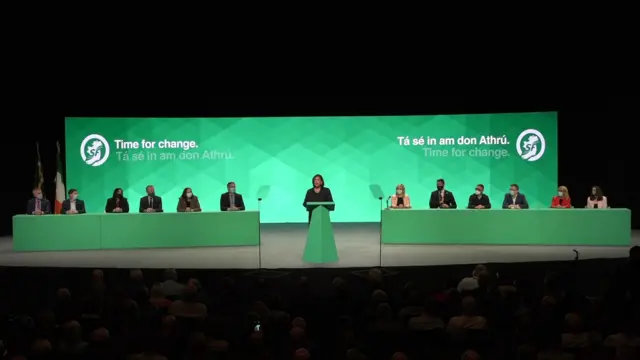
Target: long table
603,227
135,231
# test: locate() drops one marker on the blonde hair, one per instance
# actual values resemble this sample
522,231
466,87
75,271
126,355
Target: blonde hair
401,186
564,190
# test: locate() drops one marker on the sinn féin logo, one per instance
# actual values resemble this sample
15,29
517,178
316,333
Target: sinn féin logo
531,145
94,150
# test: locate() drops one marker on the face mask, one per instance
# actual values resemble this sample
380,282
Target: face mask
73,197
189,195
593,192
232,190
440,187
560,193
513,193
39,196
119,196
399,192
478,192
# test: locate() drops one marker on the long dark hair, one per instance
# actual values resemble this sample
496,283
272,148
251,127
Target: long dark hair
317,176
598,194
184,193
115,193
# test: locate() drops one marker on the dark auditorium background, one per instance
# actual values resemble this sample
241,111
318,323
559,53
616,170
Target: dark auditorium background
597,142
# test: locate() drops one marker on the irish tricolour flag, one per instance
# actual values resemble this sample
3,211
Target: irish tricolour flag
61,194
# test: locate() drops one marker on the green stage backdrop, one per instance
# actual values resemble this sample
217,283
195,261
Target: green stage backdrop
361,158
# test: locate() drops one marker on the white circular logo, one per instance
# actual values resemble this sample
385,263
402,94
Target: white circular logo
531,145
94,150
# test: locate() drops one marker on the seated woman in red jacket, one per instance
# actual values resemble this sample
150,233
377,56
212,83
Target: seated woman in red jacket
562,200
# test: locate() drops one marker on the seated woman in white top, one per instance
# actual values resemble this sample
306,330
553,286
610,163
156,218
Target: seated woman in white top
597,200
400,200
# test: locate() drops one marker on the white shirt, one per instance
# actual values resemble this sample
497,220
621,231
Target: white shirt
73,205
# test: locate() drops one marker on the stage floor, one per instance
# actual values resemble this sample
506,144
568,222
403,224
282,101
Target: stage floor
283,244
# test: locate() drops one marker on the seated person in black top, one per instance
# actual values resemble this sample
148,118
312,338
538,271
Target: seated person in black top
318,193
441,198
117,203
231,200
151,202
479,200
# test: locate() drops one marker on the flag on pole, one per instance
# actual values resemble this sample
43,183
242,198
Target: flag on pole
38,180
61,194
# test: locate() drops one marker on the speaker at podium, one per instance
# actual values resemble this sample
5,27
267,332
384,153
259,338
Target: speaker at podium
321,243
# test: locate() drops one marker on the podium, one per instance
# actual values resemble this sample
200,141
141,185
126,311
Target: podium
321,244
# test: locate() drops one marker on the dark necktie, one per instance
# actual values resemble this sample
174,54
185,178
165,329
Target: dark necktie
150,202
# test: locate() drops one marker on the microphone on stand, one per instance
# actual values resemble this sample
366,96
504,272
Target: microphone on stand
389,198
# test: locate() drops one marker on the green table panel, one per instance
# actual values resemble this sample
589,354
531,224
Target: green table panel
604,227
56,232
168,230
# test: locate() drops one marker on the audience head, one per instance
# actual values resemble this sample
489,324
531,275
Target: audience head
157,291
41,348
194,283
170,274
100,335
63,294
299,322
470,355
302,354
339,283
379,296
399,356
478,270
573,323
375,276
97,275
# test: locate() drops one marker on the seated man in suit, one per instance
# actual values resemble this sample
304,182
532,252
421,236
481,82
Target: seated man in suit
73,205
515,200
151,202
38,205
231,200
441,198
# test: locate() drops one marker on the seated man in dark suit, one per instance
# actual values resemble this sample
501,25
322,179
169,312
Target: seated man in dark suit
231,200
73,205
441,198
151,202
515,200
38,205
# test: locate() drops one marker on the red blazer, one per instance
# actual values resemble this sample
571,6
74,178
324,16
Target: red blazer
566,203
